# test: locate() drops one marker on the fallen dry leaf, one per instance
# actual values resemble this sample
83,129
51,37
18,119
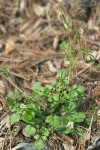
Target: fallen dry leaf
10,45
66,64
91,26
1,108
68,143
2,87
58,63
51,67
1,141
68,147
55,42
41,10
5,122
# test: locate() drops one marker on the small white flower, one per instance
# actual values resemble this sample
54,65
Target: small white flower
81,31
22,106
98,112
70,124
59,13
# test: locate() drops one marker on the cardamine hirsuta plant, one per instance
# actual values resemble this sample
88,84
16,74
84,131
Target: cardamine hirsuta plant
54,107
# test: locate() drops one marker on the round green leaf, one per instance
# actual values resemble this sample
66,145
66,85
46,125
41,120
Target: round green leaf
39,145
30,130
44,138
15,118
27,117
37,137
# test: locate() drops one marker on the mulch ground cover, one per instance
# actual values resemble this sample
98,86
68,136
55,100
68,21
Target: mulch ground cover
30,35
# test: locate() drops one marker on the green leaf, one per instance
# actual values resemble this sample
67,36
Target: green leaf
46,90
44,138
79,131
10,101
36,136
39,145
49,87
35,94
54,121
67,130
33,106
30,130
14,94
49,119
62,74
78,117
11,94
88,121
64,45
54,82
67,82
74,86
80,89
27,117
15,118
44,131
36,86
75,94
56,97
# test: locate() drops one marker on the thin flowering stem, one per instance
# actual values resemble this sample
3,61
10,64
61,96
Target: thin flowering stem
66,22
78,34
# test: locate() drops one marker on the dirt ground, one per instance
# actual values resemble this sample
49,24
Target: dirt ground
30,35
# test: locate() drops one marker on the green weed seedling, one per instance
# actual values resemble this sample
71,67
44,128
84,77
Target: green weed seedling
55,109
55,106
